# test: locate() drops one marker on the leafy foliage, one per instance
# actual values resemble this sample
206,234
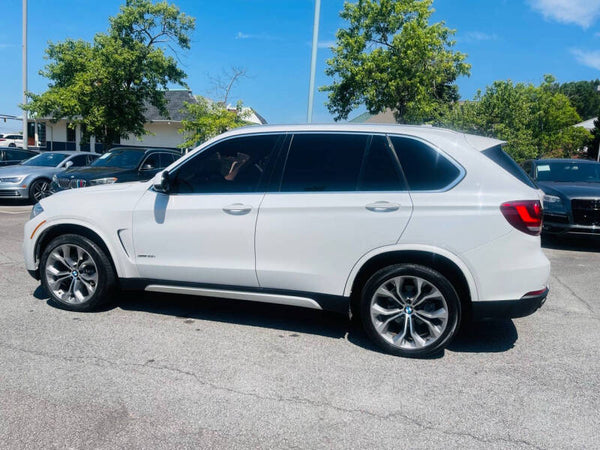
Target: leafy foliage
104,85
584,97
208,119
534,120
389,56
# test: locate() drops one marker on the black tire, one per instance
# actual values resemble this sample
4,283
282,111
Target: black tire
106,283
431,278
39,189
12,145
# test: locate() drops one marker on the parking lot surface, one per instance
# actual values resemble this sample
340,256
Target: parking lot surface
158,371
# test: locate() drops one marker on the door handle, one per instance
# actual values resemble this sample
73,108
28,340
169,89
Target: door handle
237,209
383,207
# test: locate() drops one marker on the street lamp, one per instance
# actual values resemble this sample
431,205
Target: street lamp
313,61
25,143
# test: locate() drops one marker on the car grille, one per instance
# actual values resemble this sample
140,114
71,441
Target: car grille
586,211
66,183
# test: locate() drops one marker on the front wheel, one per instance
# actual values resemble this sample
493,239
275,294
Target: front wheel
39,189
410,310
76,273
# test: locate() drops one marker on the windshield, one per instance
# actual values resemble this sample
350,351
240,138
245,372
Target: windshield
46,160
126,159
568,172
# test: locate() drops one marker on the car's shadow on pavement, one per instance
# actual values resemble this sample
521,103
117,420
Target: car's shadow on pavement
13,202
577,243
484,337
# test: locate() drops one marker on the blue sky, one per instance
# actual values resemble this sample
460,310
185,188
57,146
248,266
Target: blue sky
519,40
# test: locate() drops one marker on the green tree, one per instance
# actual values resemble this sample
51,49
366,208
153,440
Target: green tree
206,119
584,97
534,120
105,85
390,56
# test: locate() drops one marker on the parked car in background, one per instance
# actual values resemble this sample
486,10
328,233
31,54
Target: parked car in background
31,179
11,140
413,229
12,156
119,165
572,193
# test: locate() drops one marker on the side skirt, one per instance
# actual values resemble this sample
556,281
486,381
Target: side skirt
301,299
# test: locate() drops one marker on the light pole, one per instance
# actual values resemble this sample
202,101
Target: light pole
25,143
313,61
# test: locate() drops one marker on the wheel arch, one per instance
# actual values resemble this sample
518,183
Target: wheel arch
71,228
438,259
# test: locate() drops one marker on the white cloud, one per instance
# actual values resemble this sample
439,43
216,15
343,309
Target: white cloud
589,58
326,44
263,36
580,12
477,36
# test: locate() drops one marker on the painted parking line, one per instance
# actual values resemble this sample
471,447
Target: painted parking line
14,210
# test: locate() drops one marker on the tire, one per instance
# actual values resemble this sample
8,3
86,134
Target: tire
39,189
77,273
410,310
12,145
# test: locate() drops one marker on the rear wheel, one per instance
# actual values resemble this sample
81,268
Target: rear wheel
410,310
77,273
39,189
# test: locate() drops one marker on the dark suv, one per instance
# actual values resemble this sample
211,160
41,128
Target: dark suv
571,193
119,165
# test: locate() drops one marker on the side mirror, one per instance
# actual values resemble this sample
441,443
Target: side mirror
162,182
68,164
147,167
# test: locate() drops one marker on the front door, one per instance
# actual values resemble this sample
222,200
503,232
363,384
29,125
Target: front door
203,231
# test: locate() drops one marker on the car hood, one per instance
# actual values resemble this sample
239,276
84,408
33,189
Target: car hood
570,190
19,170
92,173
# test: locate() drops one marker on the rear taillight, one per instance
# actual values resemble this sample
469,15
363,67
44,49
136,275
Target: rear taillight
524,215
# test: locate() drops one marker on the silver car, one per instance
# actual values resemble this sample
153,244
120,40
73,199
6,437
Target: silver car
31,179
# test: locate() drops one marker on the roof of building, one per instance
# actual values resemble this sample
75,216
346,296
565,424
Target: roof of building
588,124
175,106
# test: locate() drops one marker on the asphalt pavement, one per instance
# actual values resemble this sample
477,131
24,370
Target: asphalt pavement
157,371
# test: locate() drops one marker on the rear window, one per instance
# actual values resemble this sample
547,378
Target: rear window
501,158
425,168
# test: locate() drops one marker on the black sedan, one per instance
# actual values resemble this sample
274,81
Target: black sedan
12,156
119,165
572,194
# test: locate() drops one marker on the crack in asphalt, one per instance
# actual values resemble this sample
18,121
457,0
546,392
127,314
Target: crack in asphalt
427,426
568,288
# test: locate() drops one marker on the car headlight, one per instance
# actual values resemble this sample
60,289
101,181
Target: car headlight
98,181
553,202
11,179
54,179
36,211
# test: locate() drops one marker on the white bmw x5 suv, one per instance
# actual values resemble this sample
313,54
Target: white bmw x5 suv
412,229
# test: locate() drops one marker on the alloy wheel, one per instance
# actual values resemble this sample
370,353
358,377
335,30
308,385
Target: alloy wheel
409,312
40,190
71,273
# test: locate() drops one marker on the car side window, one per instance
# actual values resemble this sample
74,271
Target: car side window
91,158
381,171
151,162
233,165
166,159
425,168
79,160
322,162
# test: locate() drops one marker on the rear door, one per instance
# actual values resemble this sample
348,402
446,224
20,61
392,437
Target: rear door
339,196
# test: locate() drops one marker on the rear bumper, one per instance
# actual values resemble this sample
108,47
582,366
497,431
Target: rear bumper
509,309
